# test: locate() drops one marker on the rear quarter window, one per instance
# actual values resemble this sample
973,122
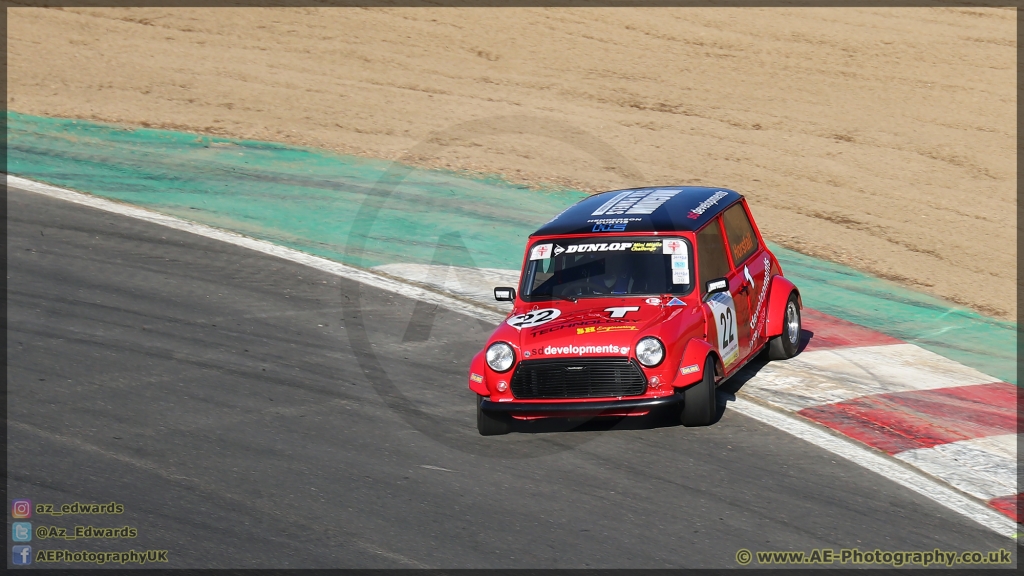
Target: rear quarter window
712,261
739,233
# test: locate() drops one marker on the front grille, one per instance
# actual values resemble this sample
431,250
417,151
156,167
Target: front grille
578,378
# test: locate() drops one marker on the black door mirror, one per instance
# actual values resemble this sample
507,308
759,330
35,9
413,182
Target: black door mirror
505,294
715,286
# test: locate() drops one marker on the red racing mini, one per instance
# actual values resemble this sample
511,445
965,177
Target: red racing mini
635,300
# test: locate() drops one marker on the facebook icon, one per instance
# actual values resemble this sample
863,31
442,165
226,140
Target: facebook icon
22,555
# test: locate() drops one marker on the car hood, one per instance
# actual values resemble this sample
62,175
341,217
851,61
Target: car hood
588,327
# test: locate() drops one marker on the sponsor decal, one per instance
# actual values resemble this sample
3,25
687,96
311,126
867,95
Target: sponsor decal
675,302
611,224
620,311
703,206
581,350
476,378
635,202
758,332
673,246
576,324
600,329
558,250
646,246
653,301
540,252
608,228
613,220
754,324
535,318
680,268
689,369
741,247
609,204
598,247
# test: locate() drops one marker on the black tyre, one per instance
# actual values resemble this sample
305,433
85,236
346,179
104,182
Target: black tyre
699,407
491,424
787,344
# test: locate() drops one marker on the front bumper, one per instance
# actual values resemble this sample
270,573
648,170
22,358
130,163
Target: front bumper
589,408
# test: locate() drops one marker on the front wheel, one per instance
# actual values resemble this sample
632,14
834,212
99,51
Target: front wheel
488,424
787,344
699,405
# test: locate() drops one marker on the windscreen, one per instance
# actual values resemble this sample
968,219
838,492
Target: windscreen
595,267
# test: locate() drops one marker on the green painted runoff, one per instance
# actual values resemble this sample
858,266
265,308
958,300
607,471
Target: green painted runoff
369,212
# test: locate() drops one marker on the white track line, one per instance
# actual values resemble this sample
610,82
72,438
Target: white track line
798,427
331,267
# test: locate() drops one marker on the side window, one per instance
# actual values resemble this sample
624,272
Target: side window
712,261
742,240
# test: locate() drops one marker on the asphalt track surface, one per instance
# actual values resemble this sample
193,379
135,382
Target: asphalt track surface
218,394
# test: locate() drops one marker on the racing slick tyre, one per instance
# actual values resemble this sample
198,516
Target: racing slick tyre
699,405
491,424
787,344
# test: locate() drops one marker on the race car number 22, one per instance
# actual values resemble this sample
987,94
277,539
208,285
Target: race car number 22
728,327
535,318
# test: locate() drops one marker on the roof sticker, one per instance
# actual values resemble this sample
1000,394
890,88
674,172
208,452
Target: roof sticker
635,202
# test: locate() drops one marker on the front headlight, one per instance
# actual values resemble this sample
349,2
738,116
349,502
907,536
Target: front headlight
500,357
650,352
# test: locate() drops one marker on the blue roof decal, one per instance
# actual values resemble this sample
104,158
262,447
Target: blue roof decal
655,209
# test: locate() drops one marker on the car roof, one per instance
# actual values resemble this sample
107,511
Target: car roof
652,209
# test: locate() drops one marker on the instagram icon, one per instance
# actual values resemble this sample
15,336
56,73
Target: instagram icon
21,508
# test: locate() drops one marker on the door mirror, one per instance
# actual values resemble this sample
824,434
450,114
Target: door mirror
715,286
505,294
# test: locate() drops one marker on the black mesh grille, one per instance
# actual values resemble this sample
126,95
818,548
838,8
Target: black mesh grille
579,378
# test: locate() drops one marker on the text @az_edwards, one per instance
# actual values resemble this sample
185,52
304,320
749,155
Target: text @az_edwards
83,532
876,556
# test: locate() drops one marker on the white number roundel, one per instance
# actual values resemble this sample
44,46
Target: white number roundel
535,318
723,310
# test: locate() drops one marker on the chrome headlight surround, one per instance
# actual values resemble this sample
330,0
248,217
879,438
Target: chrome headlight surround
650,351
500,357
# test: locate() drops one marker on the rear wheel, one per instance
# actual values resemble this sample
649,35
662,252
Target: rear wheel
699,406
787,344
490,424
